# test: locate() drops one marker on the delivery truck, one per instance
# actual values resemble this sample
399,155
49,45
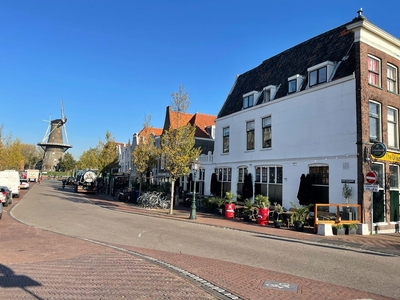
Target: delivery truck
10,178
32,175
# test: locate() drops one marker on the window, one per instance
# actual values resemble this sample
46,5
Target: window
225,140
318,76
248,101
392,129
266,132
374,122
292,86
374,67
268,182
224,176
319,178
250,135
392,79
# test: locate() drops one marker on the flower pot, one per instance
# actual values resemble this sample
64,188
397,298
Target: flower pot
338,231
229,210
247,219
262,216
298,226
277,224
350,231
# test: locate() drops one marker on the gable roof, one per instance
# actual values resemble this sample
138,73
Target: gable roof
201,121
333,45
150,130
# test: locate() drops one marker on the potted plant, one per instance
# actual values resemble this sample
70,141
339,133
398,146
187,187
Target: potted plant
338,229
219,202
263,209
208,205
347,192
277,215
351,228
248,211
229,205
299,216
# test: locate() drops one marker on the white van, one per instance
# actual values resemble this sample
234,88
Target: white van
10,178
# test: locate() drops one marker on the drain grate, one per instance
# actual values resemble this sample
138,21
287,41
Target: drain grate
282,286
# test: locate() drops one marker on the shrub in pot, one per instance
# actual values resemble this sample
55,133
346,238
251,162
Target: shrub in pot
351,228
299,215
338,229
263,209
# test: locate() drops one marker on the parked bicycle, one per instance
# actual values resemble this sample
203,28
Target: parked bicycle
154,200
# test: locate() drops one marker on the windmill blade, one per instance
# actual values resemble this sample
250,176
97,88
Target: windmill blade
62,112
65,131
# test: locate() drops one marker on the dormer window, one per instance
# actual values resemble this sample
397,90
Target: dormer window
320,73
269,93
248,99
295,83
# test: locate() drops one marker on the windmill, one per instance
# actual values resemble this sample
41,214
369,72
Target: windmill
53,144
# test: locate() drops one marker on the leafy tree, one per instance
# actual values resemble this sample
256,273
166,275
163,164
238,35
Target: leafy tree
145,154
177,143
88,159
108,155
32,154
14,158
68,163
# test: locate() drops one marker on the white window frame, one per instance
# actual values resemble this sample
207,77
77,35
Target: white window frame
269,93
374,71
266,126
377,116
298,80
225,139
393,128
250,131
392,83
249,99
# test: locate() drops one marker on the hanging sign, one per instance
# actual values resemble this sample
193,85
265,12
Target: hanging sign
378,150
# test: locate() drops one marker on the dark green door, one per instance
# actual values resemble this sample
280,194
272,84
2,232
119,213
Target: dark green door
379,207
394,205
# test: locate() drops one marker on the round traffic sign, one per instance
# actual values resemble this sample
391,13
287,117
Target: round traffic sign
371,177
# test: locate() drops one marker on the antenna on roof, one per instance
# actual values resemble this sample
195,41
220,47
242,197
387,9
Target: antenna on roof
360,12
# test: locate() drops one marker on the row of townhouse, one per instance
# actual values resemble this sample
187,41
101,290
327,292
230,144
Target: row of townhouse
204,138
314,110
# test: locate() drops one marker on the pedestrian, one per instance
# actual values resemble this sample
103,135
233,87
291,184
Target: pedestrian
40,179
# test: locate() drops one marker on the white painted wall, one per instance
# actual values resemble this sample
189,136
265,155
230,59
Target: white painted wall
312,127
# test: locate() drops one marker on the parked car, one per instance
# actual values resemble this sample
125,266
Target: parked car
70,180
5,195
24,184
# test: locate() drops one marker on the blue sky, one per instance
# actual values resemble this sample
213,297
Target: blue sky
115,62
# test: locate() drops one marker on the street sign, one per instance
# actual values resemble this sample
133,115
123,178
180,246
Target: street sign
371,187
371,177
378,150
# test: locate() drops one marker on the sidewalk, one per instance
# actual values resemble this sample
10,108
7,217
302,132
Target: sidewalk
381,243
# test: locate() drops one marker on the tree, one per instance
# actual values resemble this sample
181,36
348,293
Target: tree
108,156
177,143
67,163
88,160
145,154
13,156
32,154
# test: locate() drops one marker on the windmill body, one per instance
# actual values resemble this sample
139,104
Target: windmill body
53,143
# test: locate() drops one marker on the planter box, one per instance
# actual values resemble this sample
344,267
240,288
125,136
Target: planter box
338,231
350,231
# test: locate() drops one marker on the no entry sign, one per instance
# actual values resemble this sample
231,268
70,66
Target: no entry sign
371,177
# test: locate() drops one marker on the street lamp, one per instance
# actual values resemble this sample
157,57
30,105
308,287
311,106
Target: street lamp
195,167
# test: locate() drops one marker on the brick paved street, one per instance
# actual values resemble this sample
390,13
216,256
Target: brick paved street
37,264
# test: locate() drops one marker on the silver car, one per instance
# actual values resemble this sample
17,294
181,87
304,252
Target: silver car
5,195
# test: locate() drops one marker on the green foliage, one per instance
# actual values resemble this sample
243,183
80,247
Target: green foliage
145,154
278,208
351,226
337,225
230,197
262,201
300,213
248,208
67,163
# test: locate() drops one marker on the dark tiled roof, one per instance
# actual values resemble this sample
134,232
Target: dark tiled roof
332,45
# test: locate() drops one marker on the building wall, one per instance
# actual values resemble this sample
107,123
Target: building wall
313,127
385,98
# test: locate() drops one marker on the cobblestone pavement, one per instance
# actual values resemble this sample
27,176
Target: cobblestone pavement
37,264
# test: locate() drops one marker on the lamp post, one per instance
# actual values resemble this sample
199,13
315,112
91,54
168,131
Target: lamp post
195,167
